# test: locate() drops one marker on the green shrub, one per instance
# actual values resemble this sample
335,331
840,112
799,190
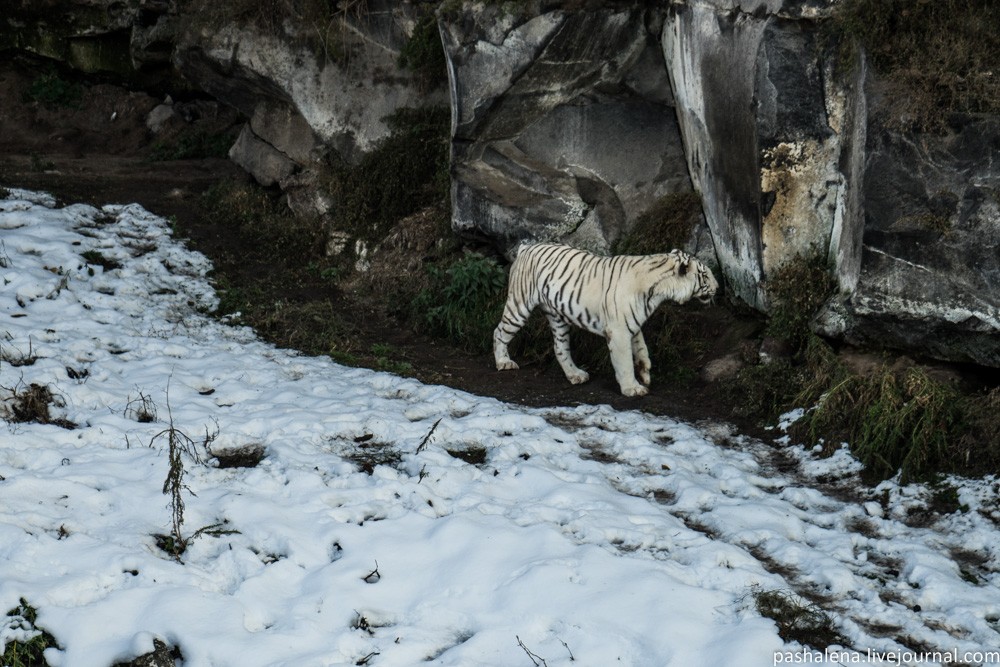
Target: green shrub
892,421
667,225
27,650
764,391
939,57
54,92
463,302
797,620
193,144
423,53
796,291
406,172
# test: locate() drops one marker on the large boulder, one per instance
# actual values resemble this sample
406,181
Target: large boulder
336,80
563,122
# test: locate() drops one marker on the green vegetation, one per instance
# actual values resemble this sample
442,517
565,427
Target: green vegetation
895,419
938,57
272,272
797,621
96,258
386,359
261,219
54,92
423,53
903,420
192,145
28,646
667,225
796,291
38,163
406,172
463,302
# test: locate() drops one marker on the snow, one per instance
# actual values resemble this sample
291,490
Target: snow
587,537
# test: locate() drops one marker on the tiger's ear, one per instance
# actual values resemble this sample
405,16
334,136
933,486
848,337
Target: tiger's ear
682,266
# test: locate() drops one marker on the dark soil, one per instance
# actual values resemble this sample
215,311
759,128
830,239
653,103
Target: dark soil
79,154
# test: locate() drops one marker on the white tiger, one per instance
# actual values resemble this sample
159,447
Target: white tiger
608,296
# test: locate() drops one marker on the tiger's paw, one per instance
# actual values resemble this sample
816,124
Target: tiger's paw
578,378
637,390
507,365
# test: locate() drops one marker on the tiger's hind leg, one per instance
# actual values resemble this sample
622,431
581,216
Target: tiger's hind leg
560,336
620,345
515,315
640,355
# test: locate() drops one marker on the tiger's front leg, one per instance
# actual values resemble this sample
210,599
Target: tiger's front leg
515,315
620,345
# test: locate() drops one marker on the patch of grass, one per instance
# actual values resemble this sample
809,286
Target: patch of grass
39,163
258,216
406,172
944,498
27,648
892,421
368,454
797,621
762,391
386,359
193,144
473,455
247,456
464,301
54,92
667,225
30,403
795,292
938,57
98,259
272,273
423,53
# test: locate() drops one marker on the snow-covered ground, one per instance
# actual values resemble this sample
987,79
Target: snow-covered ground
580,536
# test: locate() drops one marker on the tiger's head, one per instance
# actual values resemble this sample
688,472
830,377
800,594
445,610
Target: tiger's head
705,284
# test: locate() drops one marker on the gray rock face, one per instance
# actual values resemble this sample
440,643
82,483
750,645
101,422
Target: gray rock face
930,261
563,123
764,133
340,84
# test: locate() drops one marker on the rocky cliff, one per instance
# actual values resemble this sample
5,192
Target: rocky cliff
573,120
